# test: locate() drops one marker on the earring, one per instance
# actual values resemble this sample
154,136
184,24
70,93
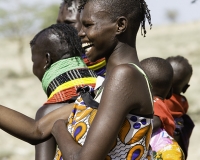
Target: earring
46,67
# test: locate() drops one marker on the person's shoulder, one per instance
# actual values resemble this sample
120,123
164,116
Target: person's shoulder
124,70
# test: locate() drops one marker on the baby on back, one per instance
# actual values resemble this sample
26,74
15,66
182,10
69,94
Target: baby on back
178,104
160,75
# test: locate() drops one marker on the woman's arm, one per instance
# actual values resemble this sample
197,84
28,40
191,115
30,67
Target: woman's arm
26,128
66,143
115,104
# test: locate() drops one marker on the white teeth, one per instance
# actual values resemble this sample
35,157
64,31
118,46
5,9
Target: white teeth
88,49
86,44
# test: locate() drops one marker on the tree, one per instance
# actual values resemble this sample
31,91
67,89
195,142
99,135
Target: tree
48,15
16,24
172,15
22,20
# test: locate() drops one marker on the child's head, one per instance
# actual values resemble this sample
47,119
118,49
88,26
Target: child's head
160,74
59,41
106,24
182,73
68,13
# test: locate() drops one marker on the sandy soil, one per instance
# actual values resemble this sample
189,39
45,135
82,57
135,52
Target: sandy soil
23,92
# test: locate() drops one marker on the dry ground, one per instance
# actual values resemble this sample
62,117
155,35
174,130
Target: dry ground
23,92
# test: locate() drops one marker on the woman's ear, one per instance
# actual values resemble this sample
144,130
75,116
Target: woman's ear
121,24
48,61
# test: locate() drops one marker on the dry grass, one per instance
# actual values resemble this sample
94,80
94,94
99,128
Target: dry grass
24,93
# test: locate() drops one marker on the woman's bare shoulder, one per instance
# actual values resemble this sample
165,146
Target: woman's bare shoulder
127,72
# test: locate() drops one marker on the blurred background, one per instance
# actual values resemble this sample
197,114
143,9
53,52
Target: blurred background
175,31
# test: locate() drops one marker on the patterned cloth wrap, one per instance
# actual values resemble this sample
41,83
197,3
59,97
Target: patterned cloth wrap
163,112
164,147
133,139
178,107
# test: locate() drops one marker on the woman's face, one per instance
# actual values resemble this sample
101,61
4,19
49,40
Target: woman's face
69,14
98,32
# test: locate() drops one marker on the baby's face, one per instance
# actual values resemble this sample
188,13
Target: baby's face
39,61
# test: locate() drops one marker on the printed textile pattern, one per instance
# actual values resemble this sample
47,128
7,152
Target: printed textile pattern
164,147
178,107
132,141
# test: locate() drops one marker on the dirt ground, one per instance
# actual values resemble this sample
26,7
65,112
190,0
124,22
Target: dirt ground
23,92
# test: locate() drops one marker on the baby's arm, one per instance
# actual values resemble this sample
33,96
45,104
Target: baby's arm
26,128
47,149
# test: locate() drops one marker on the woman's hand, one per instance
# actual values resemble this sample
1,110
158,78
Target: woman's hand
65,141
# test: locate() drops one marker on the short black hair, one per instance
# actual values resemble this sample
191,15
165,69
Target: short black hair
160,74
136,10
70,43
182,69
69,2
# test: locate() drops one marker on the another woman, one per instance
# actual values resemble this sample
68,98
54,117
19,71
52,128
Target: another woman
121,126
125,111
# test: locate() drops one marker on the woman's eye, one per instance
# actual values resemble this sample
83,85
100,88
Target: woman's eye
87,25
68,22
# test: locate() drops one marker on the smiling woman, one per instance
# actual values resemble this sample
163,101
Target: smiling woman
118,126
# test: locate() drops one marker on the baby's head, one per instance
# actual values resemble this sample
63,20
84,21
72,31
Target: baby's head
160,75
56,42
182,73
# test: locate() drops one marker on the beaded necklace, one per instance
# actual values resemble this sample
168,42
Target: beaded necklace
99,67
62,79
